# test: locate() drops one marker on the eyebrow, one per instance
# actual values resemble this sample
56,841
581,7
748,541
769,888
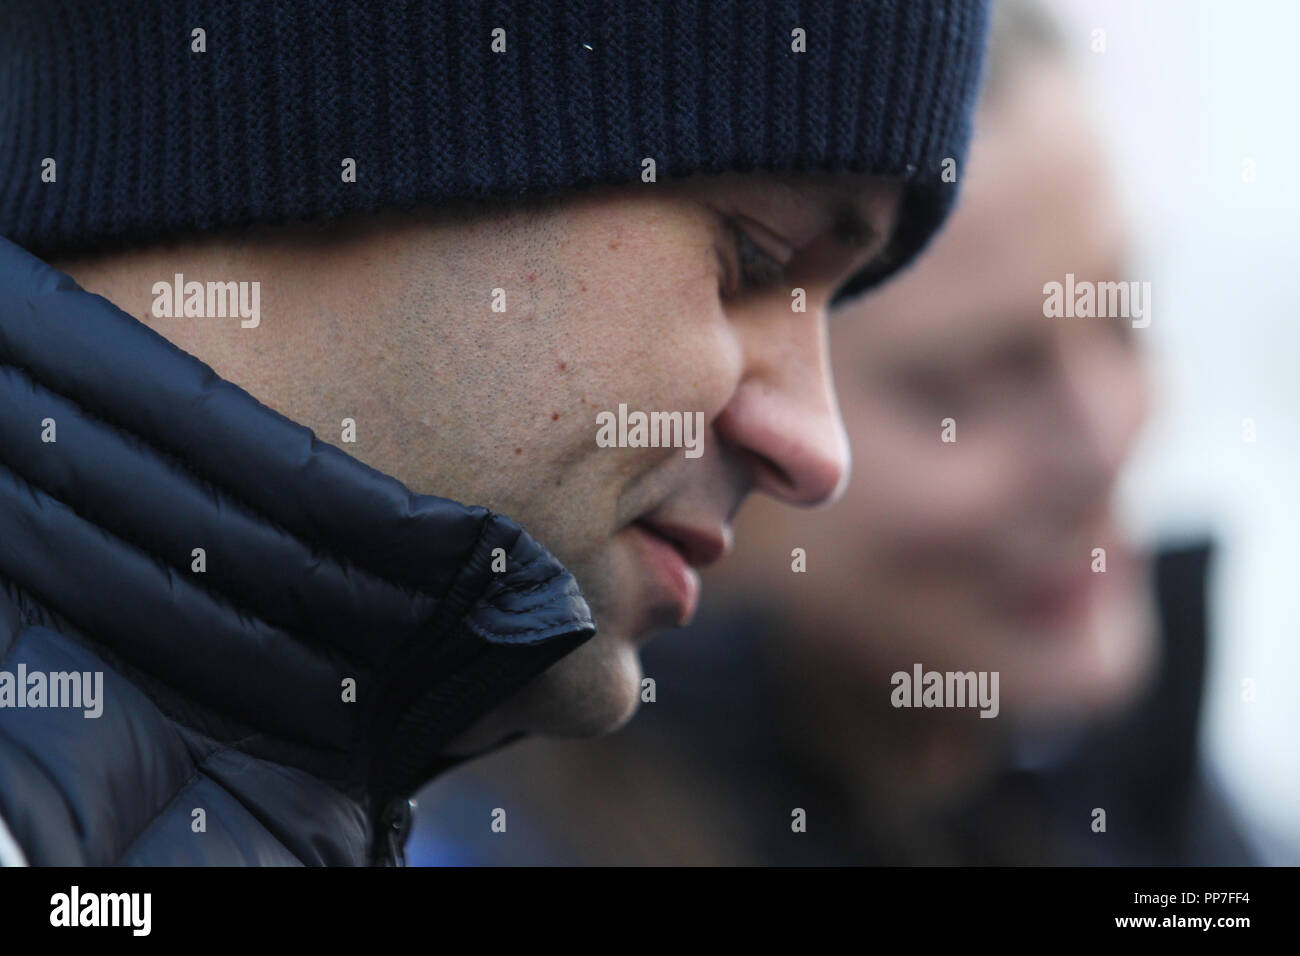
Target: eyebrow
854,230
851,228
848,225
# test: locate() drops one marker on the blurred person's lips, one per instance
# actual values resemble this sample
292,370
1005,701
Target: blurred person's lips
1056,594
1049,599
672,553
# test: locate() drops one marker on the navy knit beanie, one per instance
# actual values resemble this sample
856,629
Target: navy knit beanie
156,130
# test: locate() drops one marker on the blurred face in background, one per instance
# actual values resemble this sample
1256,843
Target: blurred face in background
977,554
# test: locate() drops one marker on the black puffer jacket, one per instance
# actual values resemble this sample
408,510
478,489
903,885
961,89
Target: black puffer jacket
225,691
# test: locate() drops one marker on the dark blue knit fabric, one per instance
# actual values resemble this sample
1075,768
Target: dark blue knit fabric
153,140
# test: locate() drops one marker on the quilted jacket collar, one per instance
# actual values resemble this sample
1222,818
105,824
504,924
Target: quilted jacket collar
319,569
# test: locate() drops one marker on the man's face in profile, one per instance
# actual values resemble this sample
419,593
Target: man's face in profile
677,300
661,298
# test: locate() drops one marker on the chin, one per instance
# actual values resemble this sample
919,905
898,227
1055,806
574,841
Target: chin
591,692
1100,676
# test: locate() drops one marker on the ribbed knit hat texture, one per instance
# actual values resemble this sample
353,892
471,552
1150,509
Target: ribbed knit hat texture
152,139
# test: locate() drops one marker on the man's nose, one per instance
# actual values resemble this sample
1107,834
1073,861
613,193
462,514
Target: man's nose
784,414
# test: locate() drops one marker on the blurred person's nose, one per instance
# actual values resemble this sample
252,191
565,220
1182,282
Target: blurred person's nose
1089,429
783,415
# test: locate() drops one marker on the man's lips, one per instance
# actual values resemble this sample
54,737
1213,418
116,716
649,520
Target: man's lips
671,553
698,547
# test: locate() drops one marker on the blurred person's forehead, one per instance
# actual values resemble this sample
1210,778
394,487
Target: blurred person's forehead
1037,203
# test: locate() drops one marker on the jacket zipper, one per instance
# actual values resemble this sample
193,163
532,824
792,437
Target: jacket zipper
396,828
